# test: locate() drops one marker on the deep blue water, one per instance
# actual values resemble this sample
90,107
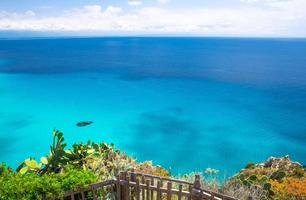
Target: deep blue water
185,103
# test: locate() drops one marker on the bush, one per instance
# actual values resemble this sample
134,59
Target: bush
299,172
235,188
290,188
278,175
147,167
32,186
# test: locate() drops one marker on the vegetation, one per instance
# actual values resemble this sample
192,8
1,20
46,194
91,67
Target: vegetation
67,169
28,186
85,163
277,179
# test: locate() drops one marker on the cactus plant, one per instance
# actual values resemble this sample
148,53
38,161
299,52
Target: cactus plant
29,165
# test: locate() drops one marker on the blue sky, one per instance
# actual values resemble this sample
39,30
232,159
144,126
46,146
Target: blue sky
273,18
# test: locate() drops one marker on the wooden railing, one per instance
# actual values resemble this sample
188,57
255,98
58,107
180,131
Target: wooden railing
138,186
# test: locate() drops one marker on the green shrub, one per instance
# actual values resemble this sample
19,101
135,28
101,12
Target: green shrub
73,178
278,175
299,172
32,186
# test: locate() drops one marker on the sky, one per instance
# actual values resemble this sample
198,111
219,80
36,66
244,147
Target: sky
267,18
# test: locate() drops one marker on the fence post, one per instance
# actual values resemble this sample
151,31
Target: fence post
197,182
196,188
118,186
133,190
124,186
133,177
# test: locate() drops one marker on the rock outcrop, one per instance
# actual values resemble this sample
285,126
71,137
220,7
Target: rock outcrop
282,163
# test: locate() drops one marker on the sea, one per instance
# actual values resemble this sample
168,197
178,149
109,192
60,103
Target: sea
186,103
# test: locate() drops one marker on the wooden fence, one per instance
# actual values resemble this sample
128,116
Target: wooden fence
138,186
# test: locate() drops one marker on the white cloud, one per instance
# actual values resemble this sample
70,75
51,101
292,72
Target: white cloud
287,19
13,15
30,13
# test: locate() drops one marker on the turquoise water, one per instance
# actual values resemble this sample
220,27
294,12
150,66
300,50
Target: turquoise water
185,103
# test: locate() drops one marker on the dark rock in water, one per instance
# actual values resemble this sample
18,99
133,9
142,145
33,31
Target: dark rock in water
84,123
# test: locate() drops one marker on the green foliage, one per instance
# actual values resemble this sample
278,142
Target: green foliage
299,172
29,165
54,162
85,155
84,163
56,158
278,175
63,170
102,158
253,177
274,179
263,179
73,178
31,186
110,164
267,186
241,177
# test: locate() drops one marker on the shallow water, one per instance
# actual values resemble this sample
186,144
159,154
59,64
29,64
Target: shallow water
185,103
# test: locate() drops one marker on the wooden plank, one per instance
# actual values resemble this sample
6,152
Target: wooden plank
101,184
94,195
190,192
179,196
137,190
161,183
163,178
148,189
146,192
128,192
169,192
82,195
143,189
72,196
205,195
158,194
152,184
118,188
133,176
163,190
